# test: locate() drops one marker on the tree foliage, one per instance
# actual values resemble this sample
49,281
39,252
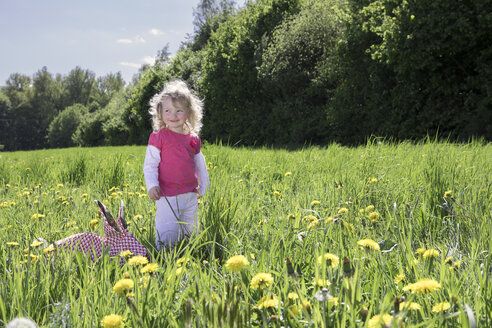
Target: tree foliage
289,72
64,125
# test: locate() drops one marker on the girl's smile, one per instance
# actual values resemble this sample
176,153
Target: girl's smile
173,115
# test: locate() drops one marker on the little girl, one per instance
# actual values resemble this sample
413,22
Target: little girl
174,169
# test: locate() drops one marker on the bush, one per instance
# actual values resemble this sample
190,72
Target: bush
64,125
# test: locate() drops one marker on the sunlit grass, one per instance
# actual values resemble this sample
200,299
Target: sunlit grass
426,207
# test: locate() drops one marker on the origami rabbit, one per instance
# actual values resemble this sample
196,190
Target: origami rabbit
117,238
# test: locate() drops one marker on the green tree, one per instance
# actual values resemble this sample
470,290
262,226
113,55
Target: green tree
64,126
78,87
234,97
6,122
299,71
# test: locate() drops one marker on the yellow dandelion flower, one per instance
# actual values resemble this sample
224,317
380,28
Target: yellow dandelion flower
276,193
126,253
331,260
448,194
287,174
237,263
48,249
267,302
123,286
369,208
138,260
329,219
322,282
291,216
361,211
37,216
261,280
441,307
309,218
34,258
423,286
292,296
60,185
373,180
252,256
149,268
28,169
399,278
93,223
373,216
369,244
112,321
240,180
333,300
12,243
448,260
343,210
409,306
313,224
36,243
420,251
380,321
315,203
138,217
430,253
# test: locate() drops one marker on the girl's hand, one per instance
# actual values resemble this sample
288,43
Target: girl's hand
155,193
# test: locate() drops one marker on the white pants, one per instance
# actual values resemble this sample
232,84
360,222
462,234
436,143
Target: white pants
170,227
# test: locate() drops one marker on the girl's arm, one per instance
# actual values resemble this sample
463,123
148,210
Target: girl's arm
151,171
201,170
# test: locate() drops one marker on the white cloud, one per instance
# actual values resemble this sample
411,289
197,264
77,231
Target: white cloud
148,60
133,65
125,41
155,31
136,39
139,39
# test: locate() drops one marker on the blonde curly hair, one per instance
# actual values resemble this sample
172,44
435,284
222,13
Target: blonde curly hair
179,93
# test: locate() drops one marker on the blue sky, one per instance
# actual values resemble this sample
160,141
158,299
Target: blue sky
100,35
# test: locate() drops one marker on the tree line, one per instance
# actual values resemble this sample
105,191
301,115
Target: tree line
286,72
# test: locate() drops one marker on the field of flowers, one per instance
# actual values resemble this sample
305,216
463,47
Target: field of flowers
374,236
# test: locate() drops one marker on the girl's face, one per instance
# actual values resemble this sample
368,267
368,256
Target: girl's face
174,115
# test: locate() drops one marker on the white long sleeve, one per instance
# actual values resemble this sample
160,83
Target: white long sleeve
201,170
151,167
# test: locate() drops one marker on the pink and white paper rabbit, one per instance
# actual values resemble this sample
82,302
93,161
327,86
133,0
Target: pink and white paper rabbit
117,238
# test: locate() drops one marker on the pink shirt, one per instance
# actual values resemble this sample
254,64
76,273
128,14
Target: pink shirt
177,172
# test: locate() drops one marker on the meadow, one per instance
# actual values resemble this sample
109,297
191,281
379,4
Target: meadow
379,235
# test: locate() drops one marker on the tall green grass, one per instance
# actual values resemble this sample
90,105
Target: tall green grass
282,210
